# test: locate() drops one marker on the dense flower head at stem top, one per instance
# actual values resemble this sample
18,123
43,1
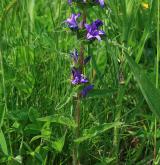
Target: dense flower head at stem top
101,2
92,30
72,21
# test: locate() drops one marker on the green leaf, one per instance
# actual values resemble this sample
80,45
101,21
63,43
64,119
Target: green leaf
17,160
94,131
33,128
100,93
59,143
149,91
3,144
59,119
33,114
37,137
46,130
18,115
2,114
106,161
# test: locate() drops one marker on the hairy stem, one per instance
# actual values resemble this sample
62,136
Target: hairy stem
76,160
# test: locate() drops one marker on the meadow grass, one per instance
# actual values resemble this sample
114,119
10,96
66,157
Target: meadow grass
119,121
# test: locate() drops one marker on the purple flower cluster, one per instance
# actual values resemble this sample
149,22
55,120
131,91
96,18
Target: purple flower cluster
92,29
77,77
93,32
72,21
101,2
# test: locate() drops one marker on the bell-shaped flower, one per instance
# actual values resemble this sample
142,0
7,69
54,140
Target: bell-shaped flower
92,30
101,2
72,21
78,77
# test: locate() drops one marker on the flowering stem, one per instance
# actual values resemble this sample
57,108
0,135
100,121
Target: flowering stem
77,116
157,76
81,62
82,44
81,58
77,119
77,110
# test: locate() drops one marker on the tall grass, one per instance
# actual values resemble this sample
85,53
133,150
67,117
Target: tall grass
118,124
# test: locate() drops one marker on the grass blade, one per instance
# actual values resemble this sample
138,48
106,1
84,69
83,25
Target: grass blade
3,144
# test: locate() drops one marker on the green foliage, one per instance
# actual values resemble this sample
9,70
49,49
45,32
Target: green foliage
37,101
151,94
3,144
59,119
95,131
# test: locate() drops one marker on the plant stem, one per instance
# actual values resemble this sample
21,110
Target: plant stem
121,92
157,76
5,110
77,119
76,160
158,51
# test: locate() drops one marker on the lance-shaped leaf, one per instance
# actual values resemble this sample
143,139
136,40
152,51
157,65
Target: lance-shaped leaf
59,119
95,131
149,91
59,143
3,144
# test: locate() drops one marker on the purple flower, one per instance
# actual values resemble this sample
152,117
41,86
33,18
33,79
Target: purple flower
78,77
70,1
92,30
101,2
98,23
72,21
86,90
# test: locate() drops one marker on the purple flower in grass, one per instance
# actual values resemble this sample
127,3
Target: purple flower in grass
69,1
101,2
86,90
72,21
98,23
92,30
78,77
